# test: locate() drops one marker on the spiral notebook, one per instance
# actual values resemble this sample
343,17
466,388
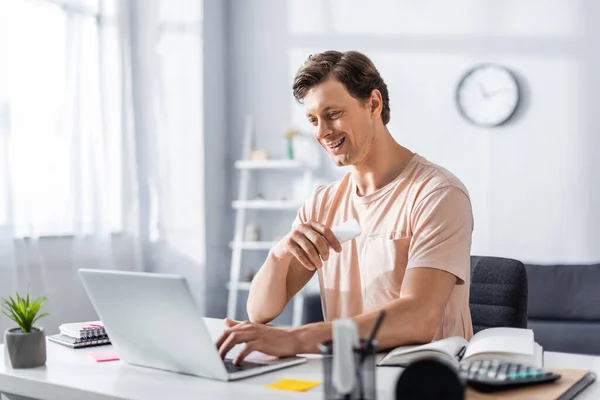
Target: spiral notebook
83,329
76,343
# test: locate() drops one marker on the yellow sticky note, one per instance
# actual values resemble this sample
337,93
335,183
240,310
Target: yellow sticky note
296,385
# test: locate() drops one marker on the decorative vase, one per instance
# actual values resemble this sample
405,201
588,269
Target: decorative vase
252,233
24,350
306,150
290,148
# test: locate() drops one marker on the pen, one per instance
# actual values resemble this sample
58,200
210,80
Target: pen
376,326
461,352
372,335
367,348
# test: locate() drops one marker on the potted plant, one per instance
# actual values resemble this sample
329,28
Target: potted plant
25,346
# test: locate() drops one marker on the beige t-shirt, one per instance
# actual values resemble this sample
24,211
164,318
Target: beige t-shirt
422,218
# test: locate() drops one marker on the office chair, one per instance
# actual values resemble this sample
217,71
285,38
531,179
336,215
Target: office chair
498,293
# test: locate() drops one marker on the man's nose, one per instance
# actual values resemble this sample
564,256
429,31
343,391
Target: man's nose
323,130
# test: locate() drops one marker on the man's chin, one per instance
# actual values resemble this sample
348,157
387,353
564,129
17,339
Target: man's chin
341,161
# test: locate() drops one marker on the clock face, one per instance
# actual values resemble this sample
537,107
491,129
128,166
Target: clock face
488,95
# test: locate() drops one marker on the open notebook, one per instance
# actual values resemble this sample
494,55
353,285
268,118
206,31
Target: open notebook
507,344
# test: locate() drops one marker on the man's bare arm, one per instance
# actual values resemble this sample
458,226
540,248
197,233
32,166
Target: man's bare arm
411,319
274,285
289,266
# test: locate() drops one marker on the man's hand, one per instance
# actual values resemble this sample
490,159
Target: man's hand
258,337
309,243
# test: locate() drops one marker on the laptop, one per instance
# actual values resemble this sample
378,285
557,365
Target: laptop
152,321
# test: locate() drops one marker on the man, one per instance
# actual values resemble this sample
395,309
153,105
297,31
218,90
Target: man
412,258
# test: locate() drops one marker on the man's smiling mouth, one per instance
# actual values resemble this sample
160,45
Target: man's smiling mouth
337,144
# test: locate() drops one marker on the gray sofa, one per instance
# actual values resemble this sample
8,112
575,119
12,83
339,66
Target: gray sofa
563,307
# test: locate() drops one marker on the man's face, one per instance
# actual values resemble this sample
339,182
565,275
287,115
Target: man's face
342,124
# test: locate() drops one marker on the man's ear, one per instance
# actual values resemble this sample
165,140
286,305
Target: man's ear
375,103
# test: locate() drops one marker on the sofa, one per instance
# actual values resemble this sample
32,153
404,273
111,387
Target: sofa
563,307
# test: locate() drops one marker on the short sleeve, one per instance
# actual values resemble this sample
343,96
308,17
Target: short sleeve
307,210
442,226
301,216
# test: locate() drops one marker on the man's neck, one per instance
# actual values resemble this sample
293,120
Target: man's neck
386,160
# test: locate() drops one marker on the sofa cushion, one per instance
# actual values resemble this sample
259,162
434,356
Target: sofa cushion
564,292
567,336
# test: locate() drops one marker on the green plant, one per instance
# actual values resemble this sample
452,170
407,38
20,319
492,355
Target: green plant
23,311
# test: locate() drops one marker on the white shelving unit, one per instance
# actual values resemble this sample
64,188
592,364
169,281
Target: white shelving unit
266,204
269,164
251,245
241,286
238,245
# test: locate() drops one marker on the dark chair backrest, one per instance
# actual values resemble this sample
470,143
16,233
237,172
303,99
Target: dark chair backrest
498,293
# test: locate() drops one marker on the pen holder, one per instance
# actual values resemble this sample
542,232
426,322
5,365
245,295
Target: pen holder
364,372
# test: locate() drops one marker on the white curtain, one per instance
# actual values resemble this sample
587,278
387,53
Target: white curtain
177,223
91,172
168,96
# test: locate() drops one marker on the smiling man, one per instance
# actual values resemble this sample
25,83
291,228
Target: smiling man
412,258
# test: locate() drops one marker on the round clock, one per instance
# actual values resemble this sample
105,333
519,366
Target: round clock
488,95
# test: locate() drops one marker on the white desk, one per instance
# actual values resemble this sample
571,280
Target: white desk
71,374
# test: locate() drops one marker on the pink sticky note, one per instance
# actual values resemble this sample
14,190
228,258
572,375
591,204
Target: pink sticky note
105,356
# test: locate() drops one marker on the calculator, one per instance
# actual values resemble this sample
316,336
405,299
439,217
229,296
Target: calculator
495,375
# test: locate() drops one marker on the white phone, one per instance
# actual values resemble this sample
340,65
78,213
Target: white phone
347,230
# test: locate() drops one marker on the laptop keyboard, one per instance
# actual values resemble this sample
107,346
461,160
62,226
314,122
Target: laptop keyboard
243,366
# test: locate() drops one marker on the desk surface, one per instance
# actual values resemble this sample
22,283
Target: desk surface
71,374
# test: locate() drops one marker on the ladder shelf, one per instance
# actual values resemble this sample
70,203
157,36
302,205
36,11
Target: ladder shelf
243,203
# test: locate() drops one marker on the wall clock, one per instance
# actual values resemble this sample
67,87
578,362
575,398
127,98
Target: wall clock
488,95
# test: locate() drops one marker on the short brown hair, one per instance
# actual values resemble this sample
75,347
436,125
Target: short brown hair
353,69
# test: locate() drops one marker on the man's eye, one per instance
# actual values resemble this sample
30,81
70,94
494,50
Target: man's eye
312,121
335,114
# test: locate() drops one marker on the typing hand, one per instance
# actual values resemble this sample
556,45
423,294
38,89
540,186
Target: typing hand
273,341
309,243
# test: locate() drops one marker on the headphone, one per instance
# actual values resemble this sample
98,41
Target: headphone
429,379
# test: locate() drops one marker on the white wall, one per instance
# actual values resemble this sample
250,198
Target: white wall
533,182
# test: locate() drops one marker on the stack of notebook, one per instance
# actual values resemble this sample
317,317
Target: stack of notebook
81,334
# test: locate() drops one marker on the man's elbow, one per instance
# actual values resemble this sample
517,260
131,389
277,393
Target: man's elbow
259,316
428,327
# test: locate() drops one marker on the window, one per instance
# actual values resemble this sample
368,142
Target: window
60,142
179,52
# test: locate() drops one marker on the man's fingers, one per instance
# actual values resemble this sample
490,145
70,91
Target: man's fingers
310,244
230,323
249,348
235,337
311,252
233,327
317,240
301,257
222,337
306,245
328,235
